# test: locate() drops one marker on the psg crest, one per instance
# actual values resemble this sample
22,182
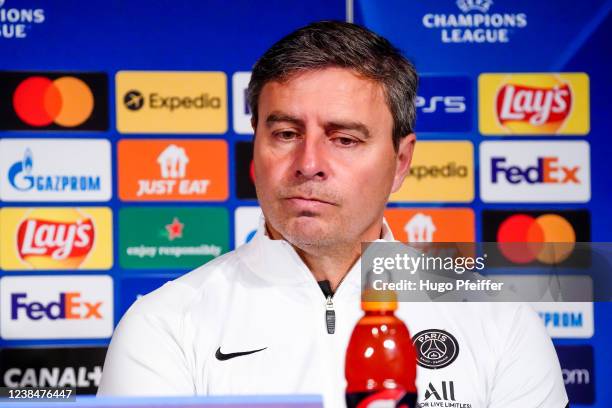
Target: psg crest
435,348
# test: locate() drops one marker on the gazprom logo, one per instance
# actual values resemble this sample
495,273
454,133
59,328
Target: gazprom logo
562,319
21,178
22,168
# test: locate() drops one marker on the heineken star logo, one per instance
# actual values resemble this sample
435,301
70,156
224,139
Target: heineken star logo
175,229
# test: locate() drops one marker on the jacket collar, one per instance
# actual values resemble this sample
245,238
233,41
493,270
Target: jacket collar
276,261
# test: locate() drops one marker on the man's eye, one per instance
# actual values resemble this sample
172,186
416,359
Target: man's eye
286,135
345,141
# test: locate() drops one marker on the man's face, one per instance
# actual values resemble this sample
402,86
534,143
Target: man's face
324,158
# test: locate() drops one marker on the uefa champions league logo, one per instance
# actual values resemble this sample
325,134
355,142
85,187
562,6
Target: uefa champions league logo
474,5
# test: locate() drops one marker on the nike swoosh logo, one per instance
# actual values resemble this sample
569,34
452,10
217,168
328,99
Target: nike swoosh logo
222,357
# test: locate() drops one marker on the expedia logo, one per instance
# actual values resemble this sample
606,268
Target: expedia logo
171,102
53,101
527,104
535,171
435,348
448,170
134,100
440,171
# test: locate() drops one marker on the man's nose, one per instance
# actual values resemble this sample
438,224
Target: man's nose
310,158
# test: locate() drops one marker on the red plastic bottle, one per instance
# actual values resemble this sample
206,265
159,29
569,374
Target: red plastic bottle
380,364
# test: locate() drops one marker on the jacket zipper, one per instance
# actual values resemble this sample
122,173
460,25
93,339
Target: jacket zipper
330,315
330,311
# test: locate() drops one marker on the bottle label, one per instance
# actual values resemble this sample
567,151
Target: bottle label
397,398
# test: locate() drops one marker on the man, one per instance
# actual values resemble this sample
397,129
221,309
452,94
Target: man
333,115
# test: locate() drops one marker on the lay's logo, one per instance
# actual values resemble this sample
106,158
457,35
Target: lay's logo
56,238
534,104
56,307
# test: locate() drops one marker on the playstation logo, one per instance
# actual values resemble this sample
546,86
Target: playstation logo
133,100
474,5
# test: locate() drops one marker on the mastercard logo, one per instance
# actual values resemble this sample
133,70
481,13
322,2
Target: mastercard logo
66,101
53,100
547,238
245,171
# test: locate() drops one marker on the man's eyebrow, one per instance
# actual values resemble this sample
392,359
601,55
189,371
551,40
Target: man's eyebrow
341,125
276,117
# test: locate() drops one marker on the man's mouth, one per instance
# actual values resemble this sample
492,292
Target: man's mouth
308,203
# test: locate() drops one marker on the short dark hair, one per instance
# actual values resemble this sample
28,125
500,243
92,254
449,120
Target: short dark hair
337,44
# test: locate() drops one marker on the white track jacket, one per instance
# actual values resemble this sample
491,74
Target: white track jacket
253,321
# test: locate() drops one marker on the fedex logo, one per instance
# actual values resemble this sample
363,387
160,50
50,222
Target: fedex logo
444,104
56,307
535,171
547,170
68,306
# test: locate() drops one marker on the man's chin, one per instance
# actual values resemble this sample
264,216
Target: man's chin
305,230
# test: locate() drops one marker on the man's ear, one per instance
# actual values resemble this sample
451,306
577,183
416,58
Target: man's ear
254,124
402,160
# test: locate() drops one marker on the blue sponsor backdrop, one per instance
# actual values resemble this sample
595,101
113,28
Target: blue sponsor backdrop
540,36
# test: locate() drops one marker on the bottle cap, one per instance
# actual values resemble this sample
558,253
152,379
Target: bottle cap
378,300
